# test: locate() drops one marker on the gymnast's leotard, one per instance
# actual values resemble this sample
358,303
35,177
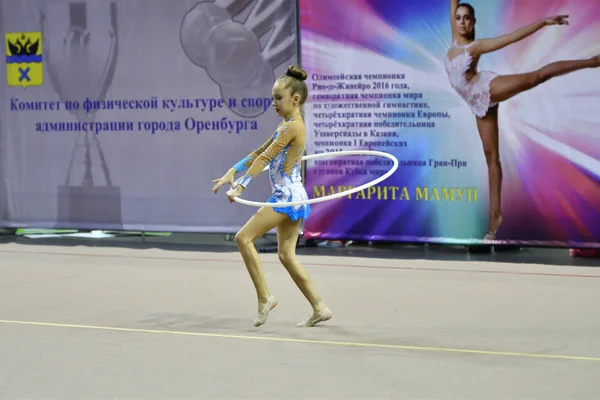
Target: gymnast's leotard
283,154
475,91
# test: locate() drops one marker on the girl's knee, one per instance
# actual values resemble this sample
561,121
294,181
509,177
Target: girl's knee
242,239
286,258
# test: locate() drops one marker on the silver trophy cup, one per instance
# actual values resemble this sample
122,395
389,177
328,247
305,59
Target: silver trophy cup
76,75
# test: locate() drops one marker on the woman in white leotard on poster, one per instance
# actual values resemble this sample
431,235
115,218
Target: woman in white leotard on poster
484,91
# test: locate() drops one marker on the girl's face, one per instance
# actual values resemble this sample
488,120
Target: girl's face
283,102
465,22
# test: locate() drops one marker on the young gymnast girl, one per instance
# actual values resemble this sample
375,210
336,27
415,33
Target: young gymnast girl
483,91
283,154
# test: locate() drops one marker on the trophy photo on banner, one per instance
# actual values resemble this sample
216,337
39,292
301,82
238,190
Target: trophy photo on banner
73,79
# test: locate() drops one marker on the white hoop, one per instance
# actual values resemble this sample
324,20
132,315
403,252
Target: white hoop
335,195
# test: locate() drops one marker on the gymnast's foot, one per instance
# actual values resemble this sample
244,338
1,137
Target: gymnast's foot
321,315
264,309
596,61
491,235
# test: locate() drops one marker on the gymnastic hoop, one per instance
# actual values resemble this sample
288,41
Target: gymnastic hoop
335,195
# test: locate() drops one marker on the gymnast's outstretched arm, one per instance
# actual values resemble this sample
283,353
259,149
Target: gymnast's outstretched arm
241,166
247,161
453,8
483,46
287,132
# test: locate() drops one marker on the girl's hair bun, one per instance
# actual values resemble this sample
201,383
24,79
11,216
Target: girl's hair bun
296,72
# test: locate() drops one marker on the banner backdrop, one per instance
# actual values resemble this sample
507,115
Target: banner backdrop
119,114
378,81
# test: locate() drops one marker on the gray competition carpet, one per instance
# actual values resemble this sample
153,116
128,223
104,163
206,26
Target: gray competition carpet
111,322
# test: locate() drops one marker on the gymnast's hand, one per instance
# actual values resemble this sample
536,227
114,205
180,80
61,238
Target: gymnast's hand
235,192
557,20
227,178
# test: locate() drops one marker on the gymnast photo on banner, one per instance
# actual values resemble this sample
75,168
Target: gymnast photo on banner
483,91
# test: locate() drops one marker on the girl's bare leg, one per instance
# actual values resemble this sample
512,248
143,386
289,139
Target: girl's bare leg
504,87
287,237
259,224
488,131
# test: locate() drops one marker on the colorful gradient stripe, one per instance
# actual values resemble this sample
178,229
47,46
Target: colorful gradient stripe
549,136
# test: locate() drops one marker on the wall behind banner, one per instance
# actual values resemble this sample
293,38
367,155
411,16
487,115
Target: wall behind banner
128,109
378,81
